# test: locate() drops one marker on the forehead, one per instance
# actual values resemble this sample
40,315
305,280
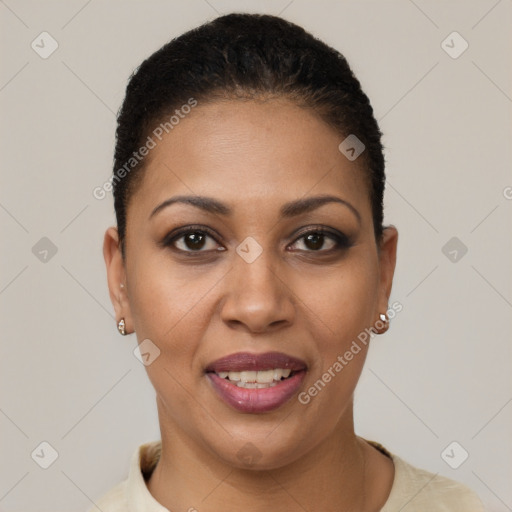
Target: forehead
243,151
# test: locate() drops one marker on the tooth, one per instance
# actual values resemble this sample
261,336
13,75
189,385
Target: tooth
278,373
259,377
265,377
247,385
255,385
248,376
281,372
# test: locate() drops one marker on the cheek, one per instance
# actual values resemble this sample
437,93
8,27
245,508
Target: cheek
341,313
340,307
171,307
342,302
168,300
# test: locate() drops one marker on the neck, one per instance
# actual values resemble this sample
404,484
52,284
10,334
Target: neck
330,477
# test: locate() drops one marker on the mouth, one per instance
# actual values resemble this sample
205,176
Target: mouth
262,379
254,383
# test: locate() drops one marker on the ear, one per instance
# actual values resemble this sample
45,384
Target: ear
387,261
116,276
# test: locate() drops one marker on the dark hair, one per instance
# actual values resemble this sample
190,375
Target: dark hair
244,56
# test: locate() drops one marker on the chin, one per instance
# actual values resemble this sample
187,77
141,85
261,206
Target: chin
258,447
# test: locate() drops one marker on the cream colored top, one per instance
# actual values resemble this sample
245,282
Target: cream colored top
413,490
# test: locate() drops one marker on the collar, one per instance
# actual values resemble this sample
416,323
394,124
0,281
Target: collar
143,463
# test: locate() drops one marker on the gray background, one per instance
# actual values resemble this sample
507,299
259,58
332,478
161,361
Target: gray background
442,372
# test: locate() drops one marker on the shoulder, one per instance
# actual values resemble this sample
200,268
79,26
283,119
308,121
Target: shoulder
113,501
416,490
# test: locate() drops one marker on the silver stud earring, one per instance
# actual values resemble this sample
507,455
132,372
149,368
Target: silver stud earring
121,327
385,320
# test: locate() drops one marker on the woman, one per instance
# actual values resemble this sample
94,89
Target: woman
251,260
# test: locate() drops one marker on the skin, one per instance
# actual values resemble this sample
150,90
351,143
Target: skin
309,301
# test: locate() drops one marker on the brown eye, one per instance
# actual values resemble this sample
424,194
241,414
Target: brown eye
194,241
316,241
320,240
191,241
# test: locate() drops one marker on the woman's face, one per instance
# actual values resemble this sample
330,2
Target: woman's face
249,273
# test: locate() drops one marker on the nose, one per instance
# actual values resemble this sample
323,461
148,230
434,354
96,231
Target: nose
258,299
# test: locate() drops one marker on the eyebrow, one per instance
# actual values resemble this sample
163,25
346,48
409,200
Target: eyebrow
291,209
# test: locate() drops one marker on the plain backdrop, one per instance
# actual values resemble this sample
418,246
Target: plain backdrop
442,372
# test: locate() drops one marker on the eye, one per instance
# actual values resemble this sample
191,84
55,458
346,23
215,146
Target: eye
314,240
192,240
198,239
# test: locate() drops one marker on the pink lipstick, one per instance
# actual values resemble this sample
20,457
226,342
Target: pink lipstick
256,383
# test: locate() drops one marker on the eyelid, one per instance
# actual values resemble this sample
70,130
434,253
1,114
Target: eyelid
170,238
341,240
317,229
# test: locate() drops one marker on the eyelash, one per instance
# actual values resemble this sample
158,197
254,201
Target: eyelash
342,241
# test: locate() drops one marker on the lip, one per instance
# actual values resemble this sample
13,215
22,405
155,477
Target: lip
256,362
256,400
